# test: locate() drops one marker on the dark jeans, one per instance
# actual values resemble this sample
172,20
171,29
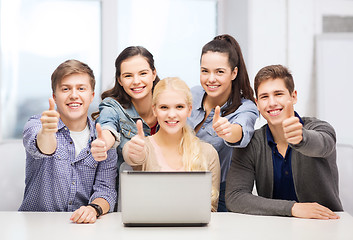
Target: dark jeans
222,202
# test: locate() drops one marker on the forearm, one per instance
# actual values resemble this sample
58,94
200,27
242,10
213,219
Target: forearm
46,142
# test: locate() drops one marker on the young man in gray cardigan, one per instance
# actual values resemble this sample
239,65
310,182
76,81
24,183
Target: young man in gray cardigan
291,159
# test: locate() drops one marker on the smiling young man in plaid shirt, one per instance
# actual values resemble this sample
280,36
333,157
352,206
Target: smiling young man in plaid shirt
61,174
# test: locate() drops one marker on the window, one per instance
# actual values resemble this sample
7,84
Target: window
35,37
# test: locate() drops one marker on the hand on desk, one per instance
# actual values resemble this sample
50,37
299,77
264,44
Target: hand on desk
85,214
312,210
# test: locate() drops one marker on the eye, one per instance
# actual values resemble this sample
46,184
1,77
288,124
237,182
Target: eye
220,72
204,71
127,76
263,97
143,73
180,106
163,107
65,89
82,88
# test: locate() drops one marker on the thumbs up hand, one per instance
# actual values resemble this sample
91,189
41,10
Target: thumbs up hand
50,119
136,151
292,128
98,146
220,124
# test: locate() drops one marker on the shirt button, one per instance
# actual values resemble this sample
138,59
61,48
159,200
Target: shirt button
73,183
286,172
72,164
70,142
70,203
66,129
87,152
95,165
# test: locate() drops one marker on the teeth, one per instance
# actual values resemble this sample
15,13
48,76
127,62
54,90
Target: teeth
74,105
172,122
213,86
137,89
274,111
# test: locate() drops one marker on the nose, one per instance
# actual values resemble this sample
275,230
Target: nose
136,80
171,113
74,93
272,101
212,78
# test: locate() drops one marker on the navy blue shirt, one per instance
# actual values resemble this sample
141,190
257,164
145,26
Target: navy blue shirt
283,185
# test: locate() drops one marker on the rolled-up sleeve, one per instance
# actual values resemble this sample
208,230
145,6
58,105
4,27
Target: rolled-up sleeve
245,116
109,118
104,186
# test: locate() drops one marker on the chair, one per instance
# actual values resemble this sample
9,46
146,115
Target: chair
345,169
12,175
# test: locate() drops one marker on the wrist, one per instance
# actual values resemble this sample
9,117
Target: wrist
97,208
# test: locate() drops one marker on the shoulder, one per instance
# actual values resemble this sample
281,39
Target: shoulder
197,93
208,149
247,105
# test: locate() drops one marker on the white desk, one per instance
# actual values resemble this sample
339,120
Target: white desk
30,225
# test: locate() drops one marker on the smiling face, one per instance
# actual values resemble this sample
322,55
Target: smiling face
216,76
274,101
137,77
172,111
73,95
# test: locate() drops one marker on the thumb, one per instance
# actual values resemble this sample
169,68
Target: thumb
140,129
51,104
99,131
217,112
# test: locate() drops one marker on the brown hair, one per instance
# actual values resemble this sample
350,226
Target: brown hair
68,68
274,72
241,85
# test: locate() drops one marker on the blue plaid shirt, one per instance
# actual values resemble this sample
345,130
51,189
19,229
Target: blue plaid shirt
61,182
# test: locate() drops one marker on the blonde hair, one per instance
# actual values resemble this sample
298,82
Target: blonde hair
190,145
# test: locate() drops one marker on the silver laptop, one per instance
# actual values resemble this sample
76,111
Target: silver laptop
165,198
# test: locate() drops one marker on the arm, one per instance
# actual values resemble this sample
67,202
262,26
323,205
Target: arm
104,192
240,181
88,214
46,137
318,139
240,125
215,168
229,132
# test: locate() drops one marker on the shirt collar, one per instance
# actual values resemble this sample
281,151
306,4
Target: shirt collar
200,96
91,127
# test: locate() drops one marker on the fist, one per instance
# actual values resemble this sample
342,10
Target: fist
136,146
293,130
50,118
98,146
220,124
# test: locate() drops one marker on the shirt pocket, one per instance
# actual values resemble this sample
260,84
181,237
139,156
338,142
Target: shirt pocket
128,129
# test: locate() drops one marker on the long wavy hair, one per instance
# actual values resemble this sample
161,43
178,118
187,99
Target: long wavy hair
118,92
241,87
190,146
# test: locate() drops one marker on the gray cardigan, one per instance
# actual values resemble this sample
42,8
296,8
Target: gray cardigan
314,170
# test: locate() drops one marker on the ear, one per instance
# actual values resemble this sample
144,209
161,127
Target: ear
119,81
234,73
294,97
190,110
54,97
154,110
154,73
92,97
257,104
